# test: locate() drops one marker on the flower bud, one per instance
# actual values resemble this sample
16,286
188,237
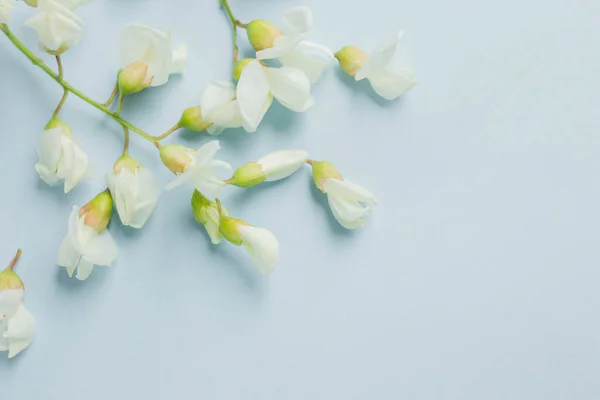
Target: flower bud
192,119
57,123
323,170
9,278
98,211
351,59
207,213
125,162
133,79
262,34
32,3
175,157
248,175
239,66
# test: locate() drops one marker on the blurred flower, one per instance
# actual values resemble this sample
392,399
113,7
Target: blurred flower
142,43
258,85
60,158
134,191
88,243
57,26
351,204
6,8
388,81
272,167
195,166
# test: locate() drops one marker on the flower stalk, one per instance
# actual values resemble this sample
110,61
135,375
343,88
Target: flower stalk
234,24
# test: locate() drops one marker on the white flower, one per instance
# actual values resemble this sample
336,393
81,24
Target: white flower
10,300
293,51
84,247
351,204
16,331
134,193
262,246
282,163
219,107
197,167
388,81
60,158
6,8
57,26
152,47
258,84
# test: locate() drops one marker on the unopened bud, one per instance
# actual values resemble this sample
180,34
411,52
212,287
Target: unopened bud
98,211
207,213
133,78
323,170
192,119
9,278
351,59
56,123
230,227
175,157
247,175
262,34
125,162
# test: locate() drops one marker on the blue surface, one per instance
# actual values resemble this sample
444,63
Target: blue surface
477,277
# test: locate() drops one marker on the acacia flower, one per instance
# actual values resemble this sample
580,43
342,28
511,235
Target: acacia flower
144,44
351,204
259,84
88,243
387,80
272,167
259,243
60,158
195,166
17,325
57,26
134,191
293,51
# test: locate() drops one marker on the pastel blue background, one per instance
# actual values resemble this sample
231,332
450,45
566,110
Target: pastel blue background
477,277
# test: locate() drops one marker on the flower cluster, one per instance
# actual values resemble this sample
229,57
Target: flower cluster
284,68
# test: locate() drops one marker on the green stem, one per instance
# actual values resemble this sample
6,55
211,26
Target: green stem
120,104
12,264
23,49
65,91
234,23
126,144
113,95
168,133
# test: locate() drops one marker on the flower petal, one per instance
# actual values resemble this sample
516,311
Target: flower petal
216,94
84,269
253,95
281,46
298,19
101,249
262,246
348,190
380,58
391,83
21,328
283,163
351,215
10,300
310,58
291,87
73,166
179,59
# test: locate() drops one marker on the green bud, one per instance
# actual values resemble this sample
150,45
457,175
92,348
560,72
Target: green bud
133,79
32,3
125,162
351,59
175,157
57,123
8,278
207,213
248,175
262,34
192,119
323,170
98,211
239,66
229,228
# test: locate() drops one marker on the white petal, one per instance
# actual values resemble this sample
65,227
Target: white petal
101,249
291,87
348,190
84,269
56,25
73,166
281,46
283,163
216,95
179,64
21,328
298,19
212,225
68,256
6,8
153,47
178,181
228,116
310,58
391,83
351,215
262,246
10,300
380,58
49,152
252,95
73,4
134,195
